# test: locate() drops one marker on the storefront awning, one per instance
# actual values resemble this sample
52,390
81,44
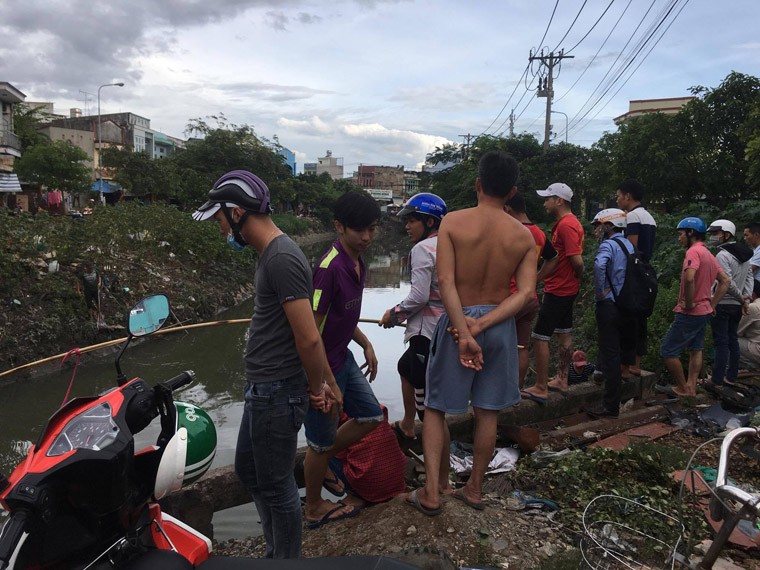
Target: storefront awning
9,182
105,186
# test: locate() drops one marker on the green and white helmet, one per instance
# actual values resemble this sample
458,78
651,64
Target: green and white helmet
189,453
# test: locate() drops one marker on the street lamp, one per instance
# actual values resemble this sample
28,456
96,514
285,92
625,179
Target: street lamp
561,113
100,140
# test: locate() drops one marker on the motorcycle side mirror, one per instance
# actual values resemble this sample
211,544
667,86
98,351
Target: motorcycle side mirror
145,318
148,315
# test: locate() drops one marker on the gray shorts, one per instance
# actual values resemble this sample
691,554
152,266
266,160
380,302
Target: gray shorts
451,386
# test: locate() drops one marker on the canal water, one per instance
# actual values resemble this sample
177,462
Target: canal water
215,354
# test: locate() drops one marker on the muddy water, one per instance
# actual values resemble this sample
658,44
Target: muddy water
215,356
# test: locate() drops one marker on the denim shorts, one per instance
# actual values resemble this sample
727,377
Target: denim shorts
359,403
686,331
451,387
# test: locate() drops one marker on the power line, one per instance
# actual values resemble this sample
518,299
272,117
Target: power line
524,73
639,65
639,48
597,51
622,51
591,29
571,26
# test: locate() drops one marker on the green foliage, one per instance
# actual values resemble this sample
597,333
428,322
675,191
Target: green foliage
641,471
139,249
56,166
27,121
143,176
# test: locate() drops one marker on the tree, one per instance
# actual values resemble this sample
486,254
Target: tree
55,166
222,148
27,121
143,176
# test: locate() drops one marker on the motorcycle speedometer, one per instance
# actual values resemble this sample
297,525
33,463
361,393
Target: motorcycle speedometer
93,429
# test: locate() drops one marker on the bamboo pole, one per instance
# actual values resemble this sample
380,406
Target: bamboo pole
115,341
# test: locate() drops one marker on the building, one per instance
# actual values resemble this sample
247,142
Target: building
290,159
331,165
10,147
639,107
389,178
310,168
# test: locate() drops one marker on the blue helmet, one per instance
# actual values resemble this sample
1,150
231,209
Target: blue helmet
424,203
692,223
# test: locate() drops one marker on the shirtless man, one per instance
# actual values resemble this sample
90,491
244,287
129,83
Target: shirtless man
479,249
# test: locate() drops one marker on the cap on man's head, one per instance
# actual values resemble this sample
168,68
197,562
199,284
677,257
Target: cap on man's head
579,358
236,189
558,189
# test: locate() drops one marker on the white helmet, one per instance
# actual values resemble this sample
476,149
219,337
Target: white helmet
722,226
614,216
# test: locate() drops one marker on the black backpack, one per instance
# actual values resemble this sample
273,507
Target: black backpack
639,290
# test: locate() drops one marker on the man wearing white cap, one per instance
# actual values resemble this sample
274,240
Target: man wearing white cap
560,291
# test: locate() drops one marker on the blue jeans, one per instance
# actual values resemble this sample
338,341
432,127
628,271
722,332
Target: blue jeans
359,403
725,324
265,459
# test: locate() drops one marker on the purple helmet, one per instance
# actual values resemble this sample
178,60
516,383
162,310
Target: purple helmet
236,189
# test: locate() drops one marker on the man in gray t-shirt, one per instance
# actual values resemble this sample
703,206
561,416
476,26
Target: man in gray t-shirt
285,364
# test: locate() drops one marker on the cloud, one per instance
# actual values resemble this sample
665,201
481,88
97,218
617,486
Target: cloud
313,126
445,97
269,91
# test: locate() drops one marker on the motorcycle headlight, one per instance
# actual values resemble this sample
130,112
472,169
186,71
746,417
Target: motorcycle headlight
92,429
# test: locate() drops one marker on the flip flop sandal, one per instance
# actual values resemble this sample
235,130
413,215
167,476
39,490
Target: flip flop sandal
460,496
334,485
532,397
414,501
326,519
402,438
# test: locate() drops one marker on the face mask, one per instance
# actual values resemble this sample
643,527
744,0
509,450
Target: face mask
233,243
713,240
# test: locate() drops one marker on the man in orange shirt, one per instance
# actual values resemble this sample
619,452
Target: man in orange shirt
560,291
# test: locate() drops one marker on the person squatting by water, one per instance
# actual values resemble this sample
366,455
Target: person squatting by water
338,286
421,308
479,249
695,306
285,363
560,290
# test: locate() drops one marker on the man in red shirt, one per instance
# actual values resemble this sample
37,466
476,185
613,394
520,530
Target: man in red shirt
696,303
560,290
515,207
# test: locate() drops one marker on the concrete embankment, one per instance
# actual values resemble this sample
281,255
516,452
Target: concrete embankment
221,489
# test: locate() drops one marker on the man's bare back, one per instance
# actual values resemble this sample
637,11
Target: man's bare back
488,247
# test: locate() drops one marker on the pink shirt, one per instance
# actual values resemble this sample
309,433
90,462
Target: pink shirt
698,257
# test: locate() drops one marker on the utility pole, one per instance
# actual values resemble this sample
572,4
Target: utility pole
87,97
512,123
546,88
467,139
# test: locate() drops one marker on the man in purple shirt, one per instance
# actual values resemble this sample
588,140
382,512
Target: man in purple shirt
338,286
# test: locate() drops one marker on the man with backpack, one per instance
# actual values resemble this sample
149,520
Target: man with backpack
616,324
734,259
640,229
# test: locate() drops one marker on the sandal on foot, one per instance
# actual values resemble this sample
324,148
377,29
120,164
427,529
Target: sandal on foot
477,505
401,436
328,518
530,396
414,501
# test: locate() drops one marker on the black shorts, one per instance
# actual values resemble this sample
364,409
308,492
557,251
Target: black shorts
555,315
413,363
91,299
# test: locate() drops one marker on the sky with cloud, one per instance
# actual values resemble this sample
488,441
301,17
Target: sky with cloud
375,81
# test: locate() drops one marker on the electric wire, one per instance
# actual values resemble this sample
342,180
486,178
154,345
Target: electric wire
641,45
559,43
612,97
597,52
524,74
592,27
614,63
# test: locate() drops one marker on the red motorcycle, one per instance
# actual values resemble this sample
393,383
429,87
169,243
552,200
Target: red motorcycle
83,499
